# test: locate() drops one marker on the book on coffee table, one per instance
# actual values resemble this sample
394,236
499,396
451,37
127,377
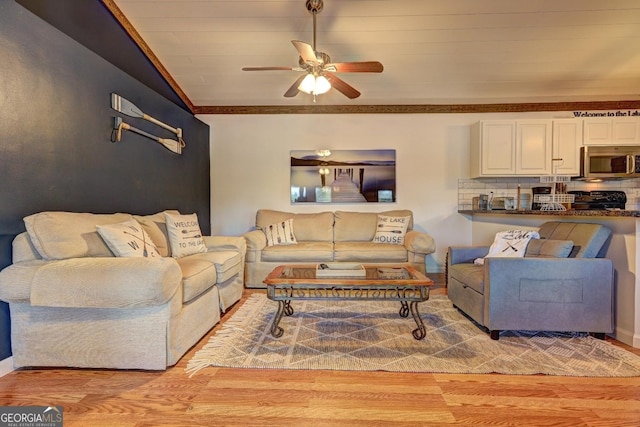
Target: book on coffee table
340,269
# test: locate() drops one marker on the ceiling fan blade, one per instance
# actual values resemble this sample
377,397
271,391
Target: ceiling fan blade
355,67
293,90
267,68
341,86
306,51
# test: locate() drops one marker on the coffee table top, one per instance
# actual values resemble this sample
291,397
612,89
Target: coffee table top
376,274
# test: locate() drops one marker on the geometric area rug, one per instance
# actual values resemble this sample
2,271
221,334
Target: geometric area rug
371,336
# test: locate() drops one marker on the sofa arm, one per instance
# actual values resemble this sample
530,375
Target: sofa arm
419,242
256,240
102,282
225,243
466,254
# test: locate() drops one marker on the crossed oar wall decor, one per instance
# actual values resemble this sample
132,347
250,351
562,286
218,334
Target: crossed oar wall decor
126,107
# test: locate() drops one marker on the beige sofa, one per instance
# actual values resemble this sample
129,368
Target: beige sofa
338,236
73,303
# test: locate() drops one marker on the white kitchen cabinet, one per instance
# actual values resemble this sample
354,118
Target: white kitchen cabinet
566,142
511,147
493,150
612,131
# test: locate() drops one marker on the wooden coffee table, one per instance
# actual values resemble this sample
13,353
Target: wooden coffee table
382,282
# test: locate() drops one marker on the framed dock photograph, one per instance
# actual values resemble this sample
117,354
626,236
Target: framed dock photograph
343,176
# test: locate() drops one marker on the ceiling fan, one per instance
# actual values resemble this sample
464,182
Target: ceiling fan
319,71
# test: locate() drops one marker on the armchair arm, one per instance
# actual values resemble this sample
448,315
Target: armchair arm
419,242
101,282
462,254
225,243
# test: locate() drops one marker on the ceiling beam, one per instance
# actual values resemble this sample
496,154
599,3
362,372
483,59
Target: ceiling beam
418,108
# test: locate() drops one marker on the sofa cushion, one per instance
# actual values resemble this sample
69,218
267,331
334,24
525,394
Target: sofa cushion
391,229
203,270
156,226
280,233
63,235
300,252
128,239
315,227
470,274
361,226
185,236
369,252
549,248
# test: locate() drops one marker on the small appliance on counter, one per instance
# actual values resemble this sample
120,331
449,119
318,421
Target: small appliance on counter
503,203
599,200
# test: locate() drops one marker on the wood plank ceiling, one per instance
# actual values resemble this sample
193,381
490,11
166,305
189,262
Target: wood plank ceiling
450,55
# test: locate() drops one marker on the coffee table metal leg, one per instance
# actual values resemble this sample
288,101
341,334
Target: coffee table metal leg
404,309
284,307
421,332
288,310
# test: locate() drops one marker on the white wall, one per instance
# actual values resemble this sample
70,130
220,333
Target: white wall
250,165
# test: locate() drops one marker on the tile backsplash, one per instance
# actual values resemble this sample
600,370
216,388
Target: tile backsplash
501,187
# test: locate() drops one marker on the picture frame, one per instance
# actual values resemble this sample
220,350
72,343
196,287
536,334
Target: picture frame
343,176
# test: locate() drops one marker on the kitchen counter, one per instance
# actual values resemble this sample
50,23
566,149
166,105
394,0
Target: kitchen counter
571,213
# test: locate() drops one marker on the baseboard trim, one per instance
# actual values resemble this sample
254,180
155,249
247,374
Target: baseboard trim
627,337
6,366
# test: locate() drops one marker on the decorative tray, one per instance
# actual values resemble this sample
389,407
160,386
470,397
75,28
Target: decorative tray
340,269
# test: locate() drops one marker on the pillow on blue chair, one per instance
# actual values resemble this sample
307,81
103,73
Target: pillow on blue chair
549,248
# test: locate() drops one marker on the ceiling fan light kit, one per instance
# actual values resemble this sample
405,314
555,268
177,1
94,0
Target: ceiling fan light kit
314,85
320,72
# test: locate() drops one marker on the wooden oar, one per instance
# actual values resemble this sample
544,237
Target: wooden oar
169,144
128,108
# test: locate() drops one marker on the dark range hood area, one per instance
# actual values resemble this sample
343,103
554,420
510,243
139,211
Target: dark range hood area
599,200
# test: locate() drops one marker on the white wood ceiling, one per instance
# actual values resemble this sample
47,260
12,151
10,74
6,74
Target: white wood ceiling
433,51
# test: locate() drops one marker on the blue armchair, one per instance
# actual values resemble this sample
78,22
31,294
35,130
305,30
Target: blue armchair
541,291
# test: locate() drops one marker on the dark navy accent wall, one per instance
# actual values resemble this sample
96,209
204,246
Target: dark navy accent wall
55,127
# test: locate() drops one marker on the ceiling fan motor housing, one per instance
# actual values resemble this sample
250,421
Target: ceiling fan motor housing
315,6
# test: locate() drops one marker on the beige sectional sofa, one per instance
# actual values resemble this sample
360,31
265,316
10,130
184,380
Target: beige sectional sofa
338,236
73,303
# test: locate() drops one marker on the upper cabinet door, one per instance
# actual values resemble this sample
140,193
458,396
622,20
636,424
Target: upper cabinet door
612,131
597,131
625,130
511,148
533,147
498,149
567,140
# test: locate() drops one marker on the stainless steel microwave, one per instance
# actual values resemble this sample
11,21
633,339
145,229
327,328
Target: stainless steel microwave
616,162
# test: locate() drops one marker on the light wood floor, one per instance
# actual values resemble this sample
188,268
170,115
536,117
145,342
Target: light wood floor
243,397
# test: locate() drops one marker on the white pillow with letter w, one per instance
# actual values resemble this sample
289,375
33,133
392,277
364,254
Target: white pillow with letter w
185,236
